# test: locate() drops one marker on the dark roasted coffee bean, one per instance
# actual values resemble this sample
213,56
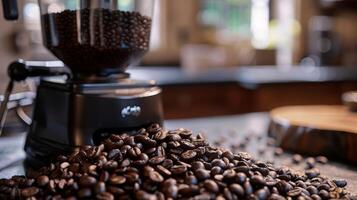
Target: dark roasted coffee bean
315,197
104,176
276,197
262,194
340,183
257,181
167,163
156,160
216,170
310,163
163,171
248,189
42,180
99,187
64,165
188,155
197,165
241,177
312,189
294,192
155,177
173,137
237,189
278,151
87,181
229,175
161,135
115,154
178,169
284,187
211,186
191,180
105,196
202,174
324,194
321,159
84,193
187,145
297,158
323,187
218,162
29,192
312,173
117,180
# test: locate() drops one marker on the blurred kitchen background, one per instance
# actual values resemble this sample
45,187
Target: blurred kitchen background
229,56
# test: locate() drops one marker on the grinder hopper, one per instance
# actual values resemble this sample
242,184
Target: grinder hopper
97,37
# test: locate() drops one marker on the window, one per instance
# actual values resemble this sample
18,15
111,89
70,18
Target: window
229,15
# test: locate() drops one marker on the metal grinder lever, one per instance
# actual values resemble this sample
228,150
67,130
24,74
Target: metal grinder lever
20,70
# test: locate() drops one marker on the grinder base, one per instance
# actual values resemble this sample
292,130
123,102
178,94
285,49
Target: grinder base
68,115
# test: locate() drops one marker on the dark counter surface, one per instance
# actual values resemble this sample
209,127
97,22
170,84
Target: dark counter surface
246,76
230,130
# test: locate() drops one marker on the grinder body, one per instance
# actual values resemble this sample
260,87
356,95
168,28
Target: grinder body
68,115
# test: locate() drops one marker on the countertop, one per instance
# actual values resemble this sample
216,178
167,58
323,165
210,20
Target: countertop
246,76
229,130
251,76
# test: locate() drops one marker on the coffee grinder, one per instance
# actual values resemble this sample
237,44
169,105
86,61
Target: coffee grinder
96,40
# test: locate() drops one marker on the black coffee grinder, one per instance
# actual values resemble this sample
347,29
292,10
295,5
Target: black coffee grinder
96,40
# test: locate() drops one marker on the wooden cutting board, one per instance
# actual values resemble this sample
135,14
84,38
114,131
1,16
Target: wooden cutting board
316,130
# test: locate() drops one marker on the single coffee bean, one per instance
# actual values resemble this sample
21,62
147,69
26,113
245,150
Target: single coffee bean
312,189
241,177
29,192
163,171
262,194
84,193
297,158
312,173
340,183
257,180
294,192
156,160
99,187
178,169
87,181
105,196
187,155
237,189
117,180
115,154
198,165
324,194
202,174
310,163
216,170
211,186
155,177
218,162
315,197
42,180
187,145
278,151
64,165
321,159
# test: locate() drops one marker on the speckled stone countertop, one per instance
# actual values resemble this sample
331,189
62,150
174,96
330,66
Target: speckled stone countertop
248,129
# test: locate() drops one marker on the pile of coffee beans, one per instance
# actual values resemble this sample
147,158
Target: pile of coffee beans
92,40
159,164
